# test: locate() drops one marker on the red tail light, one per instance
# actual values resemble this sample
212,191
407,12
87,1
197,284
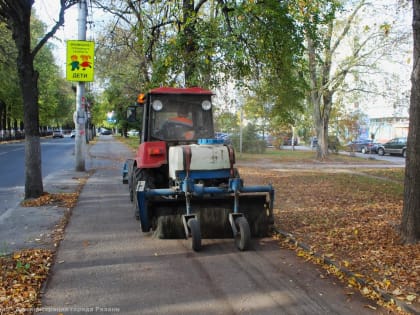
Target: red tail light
156,151
151,154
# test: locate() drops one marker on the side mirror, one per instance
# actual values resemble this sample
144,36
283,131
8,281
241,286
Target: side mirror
132,113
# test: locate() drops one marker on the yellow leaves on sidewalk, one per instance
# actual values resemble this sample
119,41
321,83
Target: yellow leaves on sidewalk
21,277
67,200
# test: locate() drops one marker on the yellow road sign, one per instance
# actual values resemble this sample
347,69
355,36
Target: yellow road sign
80,60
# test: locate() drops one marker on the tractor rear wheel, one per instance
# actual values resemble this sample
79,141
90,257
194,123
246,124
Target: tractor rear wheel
134,180
140,175
130,180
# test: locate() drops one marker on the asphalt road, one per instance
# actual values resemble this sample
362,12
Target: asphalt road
57,154
105,264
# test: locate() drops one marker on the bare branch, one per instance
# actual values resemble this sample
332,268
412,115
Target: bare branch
348,25
64,5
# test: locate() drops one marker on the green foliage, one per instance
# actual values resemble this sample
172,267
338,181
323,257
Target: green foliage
10,92
226,122
22,268
56,99
164,43
251,142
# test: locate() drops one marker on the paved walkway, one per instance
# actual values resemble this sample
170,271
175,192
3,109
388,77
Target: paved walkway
93,236
31,227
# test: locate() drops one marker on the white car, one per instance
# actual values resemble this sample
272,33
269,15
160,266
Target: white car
57,134
133,133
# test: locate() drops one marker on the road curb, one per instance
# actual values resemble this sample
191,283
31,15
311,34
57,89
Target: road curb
385,296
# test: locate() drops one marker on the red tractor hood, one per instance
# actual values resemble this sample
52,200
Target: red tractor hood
173,90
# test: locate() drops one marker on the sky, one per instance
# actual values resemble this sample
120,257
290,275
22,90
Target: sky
47,11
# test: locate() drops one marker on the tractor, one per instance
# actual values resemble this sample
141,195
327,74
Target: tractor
183,182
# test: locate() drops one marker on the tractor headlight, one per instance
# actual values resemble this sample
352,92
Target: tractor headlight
157,105
206,105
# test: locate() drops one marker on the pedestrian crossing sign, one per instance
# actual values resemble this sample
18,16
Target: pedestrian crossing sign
80,60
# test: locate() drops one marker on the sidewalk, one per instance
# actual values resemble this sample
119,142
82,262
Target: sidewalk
101,234
32,227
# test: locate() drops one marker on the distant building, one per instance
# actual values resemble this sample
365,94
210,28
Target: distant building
386,128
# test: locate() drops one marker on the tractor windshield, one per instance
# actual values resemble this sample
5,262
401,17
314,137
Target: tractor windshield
181,117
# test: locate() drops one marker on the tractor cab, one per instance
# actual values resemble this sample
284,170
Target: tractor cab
176,115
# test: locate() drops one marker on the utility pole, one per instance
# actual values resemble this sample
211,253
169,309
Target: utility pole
79,115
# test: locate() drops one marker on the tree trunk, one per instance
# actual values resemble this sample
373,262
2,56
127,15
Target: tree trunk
410,224
2,115
33,173
319,116
29,86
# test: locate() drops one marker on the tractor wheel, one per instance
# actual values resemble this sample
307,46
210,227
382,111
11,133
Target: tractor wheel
130,181
136,176
243,239
140,175
194,226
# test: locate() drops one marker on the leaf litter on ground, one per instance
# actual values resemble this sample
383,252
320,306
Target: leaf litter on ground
23,273
352,219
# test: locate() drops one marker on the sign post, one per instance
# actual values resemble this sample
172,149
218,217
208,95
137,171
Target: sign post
79,68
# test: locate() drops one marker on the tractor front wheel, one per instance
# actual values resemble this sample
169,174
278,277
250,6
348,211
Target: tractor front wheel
194,226
243,238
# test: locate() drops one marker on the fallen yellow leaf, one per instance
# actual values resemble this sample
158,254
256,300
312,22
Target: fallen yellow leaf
397,292
365,291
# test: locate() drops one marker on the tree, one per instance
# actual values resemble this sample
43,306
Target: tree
410,223
56,98
17,15
10,95
205,43
341,51
323,83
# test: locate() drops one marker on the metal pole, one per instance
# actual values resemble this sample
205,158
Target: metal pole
240,130
79,115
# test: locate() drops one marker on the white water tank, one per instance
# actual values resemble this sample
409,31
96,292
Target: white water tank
203,157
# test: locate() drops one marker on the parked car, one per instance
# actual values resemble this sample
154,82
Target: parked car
106,132
73,134
223,136
361,145
133,133
288,141
314,142
57,134
394,146
374,148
